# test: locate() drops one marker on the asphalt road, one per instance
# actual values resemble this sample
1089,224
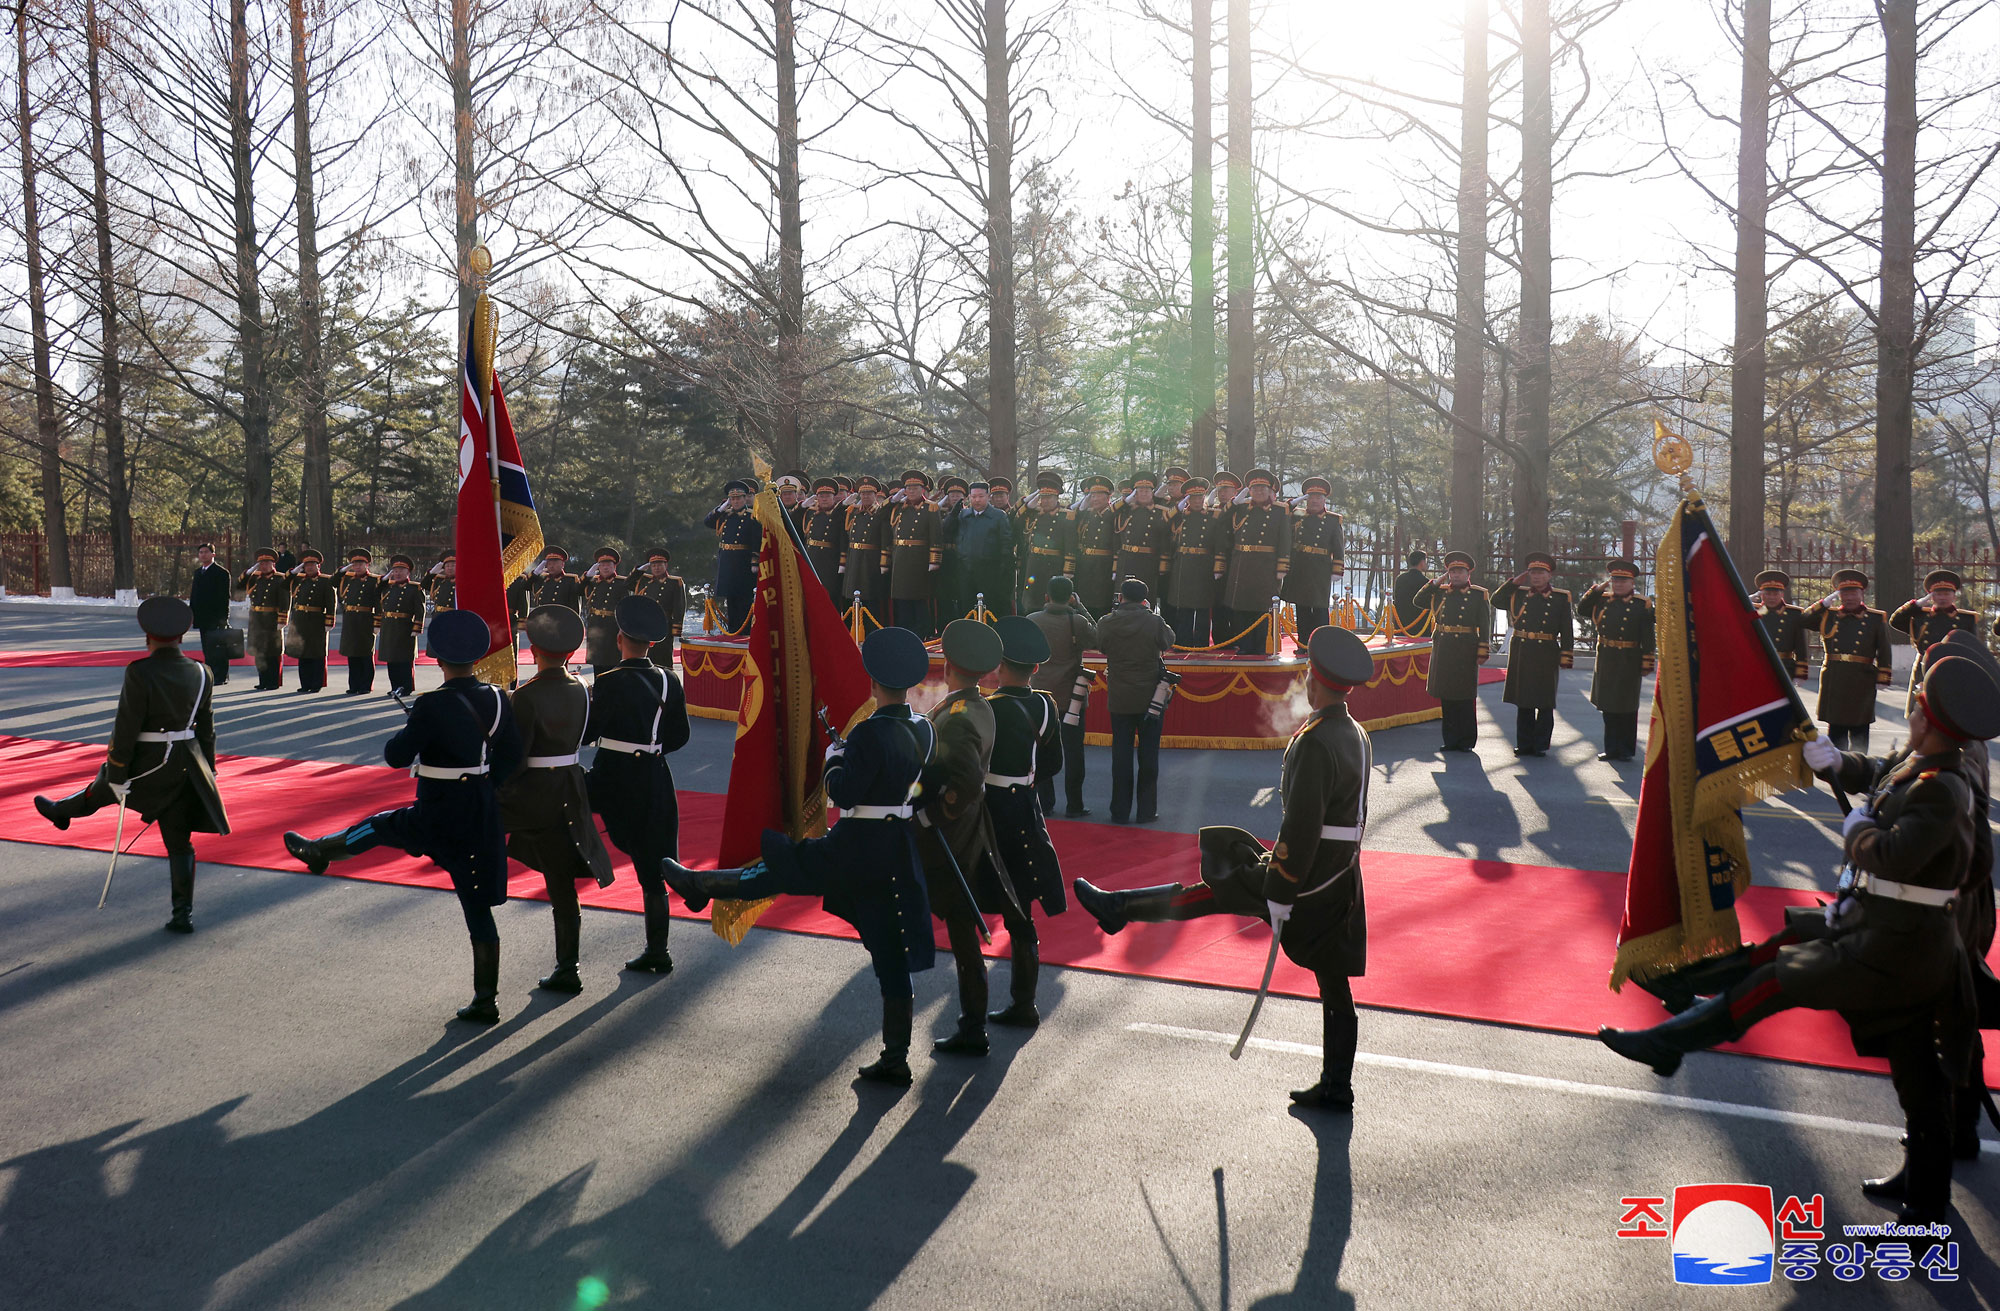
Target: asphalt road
276,1112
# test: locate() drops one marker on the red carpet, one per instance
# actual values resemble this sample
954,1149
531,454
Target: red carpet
1523,945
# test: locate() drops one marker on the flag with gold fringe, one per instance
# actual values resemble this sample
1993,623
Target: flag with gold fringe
1727,730
800,660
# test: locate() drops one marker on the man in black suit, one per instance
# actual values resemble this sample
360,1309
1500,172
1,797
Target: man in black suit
208,601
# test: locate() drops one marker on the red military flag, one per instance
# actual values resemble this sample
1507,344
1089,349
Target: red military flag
800,660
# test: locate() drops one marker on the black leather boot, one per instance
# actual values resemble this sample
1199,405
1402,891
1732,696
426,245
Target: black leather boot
76,805
569,929
1340,1030
1683,988
1114,910
180,881
1967,1101
1890,1186
1662,1046
484,1008
654,960
317,853
1023,975
969,1039
1925,1178
893,1066
681,879
709,884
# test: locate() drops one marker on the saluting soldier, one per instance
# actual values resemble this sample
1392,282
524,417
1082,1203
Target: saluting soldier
1222,503
866,869
603,589
638,717
1319,559
791,490
1784,622
738,539
954,598
1541,643
360,592
545,806
208,602
824,527
1096,576
1027,740
1625,652
312,610
1855,639
551,584
1255,558
1308,886
441,584
916,555
1070,633
669,592
269,593
399,617
1047,538
1887,953
1190,596
161,761
1461,639
1145,535
1930,619
462,742
864,556
1001,490
1173,485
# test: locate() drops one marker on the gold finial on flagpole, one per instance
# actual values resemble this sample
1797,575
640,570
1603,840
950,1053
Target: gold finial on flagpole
1673,455
485,324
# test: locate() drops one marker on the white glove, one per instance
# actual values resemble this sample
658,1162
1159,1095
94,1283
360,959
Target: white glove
1831,912
1821,754
120,791
833,753
1280,912
1859,817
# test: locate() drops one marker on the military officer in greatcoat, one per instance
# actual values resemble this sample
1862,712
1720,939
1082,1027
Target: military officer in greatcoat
1189,603
1222,503
791,490
399,618
312,611
1145,532
461,742
1027,740
916,555
1461,630
441,583
1855,639
1096,538
824,527
545,806
866,869
1255,558
668,591
161,761
1173,485
603,589
1541,640
1319,558
551,584
1047,539
865,550
1929,619
1625,653
1887,953
738,539
1308,887
1783,621
269,593
360,593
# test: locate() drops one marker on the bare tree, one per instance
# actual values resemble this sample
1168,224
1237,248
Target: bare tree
318,480
111,369
1746,378
1242,275
1895,322
1469,328
48,433
1201,225
1531,360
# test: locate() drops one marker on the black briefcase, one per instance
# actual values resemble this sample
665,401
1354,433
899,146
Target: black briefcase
232,643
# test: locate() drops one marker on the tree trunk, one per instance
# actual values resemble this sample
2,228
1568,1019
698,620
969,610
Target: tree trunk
791,247
1242,283
1001,399
111,370
465,181
55,521
1468,354
1895,327
1747,363
318,472
249,301
1201,225
1531,384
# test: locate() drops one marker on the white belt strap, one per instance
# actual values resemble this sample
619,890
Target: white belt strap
175,735
878,812
170,736
1876,886
550,762
1009,780
629,748
1341,832
447,772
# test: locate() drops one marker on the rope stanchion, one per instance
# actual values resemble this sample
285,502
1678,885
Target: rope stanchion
1255,624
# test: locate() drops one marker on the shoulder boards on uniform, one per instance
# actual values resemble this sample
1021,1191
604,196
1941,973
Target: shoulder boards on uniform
958,707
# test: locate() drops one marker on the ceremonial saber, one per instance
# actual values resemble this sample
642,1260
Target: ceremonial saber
1263,991
398,694
118,840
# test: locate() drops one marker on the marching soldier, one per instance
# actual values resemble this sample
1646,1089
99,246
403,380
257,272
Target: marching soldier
1048,539
1624,623
208,602
551,584
1930,619
1541,640
545,806
1096,537
984,537
1027,740
269,593
864,555
460,741
399,618
603,589
669,592
638,717
1255,558
1785,623
1855,639
866,869
1145,535
1069,633
1319,559
161,761
738,538
312,608
1461,639
824,527
441,584
916,555
1308,887
1190,596
360,593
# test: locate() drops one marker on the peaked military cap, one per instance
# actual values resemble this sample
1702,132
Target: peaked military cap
641,617
448,555
922,479
1774,578
555,553
1264,476
358,553
311,553
872,483
1097,483
1145,480
607,553
791,479
1339,658
1959,642
1849,578
459,637
1000,484
556,629
1458,557
1542,558
1960,697
972,646
658,553
165,616
1174,471
1048,480
402,560
266,553
895,658
826,484
1942,578
1224,478
737,485
1194,485
1622,569
1022,641
1316,484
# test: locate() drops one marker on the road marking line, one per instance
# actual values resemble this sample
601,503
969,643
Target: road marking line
1665,1101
